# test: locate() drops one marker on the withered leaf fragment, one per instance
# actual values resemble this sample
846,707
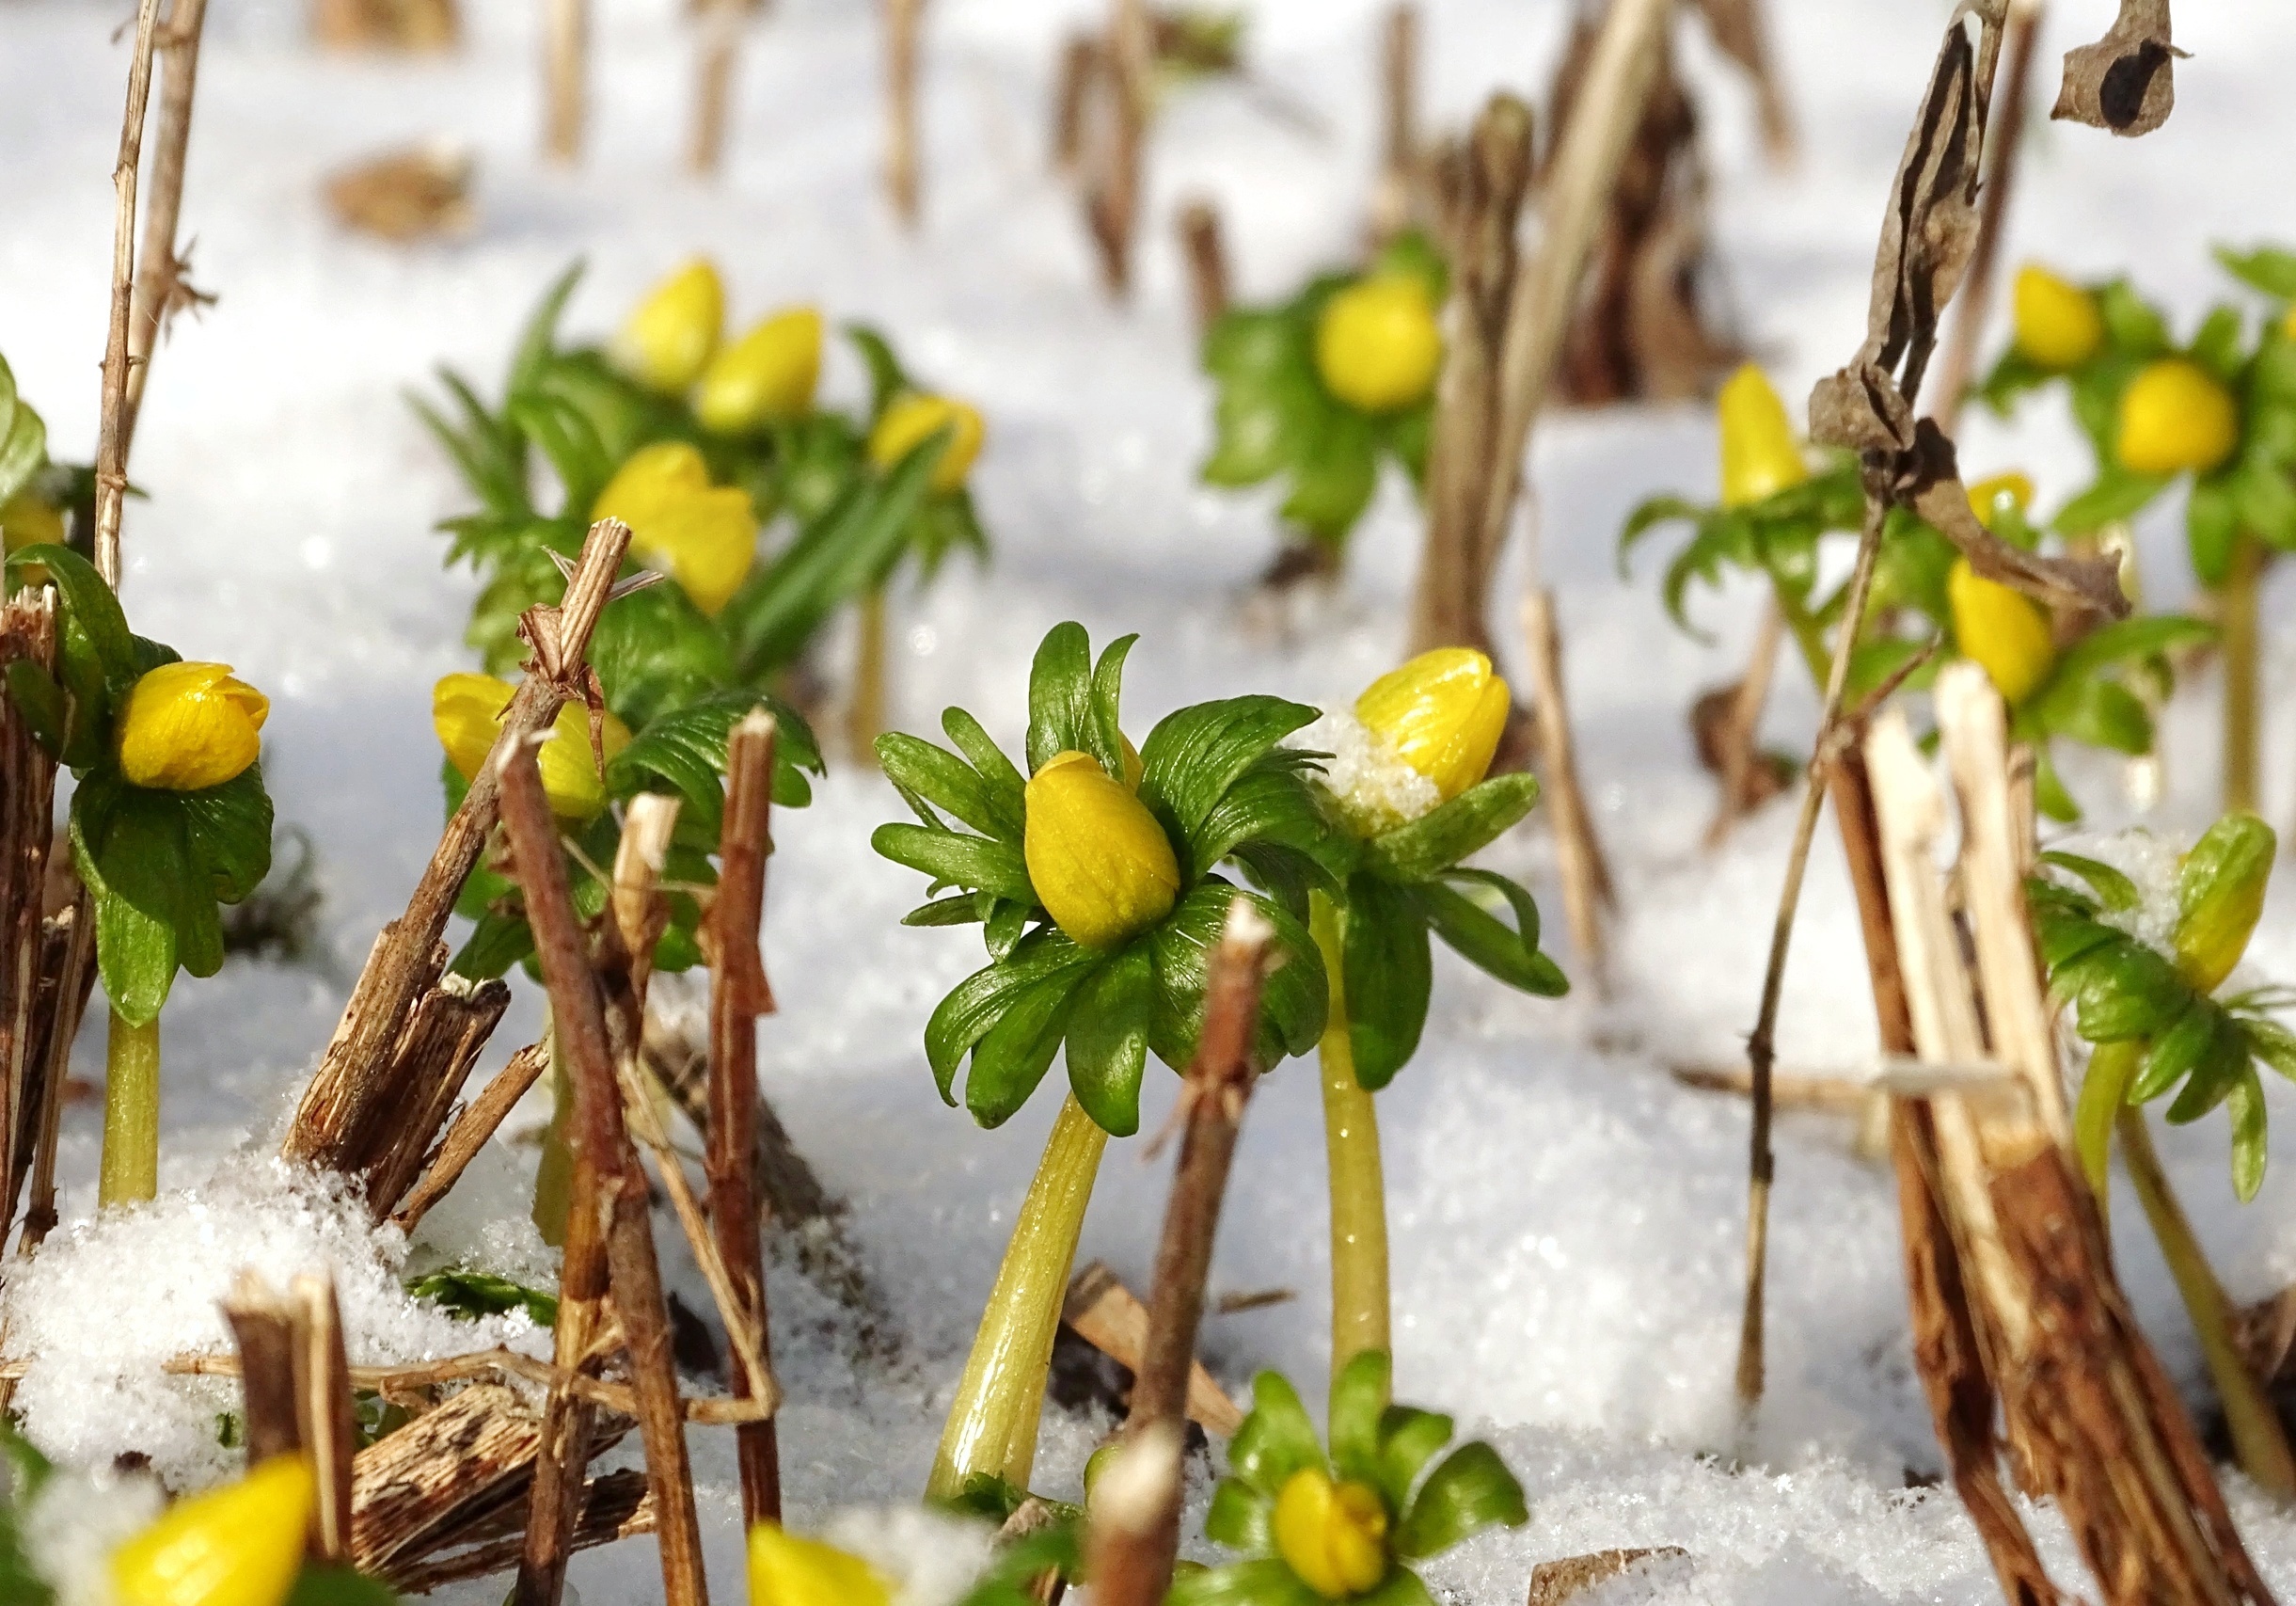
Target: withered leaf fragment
2126,82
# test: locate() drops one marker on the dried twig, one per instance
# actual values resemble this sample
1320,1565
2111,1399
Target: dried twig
477,1123
357,1079
160,288
111,437
1554,1583
1202,247
1739,29
1394,192
565,79
1080,63
720,29
903,20
1586,874
1116,141
262,1323
328,1422
1110,1317
1133,1515
1741,757
27,833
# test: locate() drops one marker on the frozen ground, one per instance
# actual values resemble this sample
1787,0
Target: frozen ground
1567,1220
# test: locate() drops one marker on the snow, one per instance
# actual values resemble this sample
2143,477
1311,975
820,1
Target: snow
1374,787
1567,1220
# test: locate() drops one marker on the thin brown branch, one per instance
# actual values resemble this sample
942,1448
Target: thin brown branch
28,833
1114,186
1204,251
67,977
904,21
1080,63
1394,191
470,1134
1741,753
721,47
738,993
1133,1514
160,288
615,1196
112,435
565,79
354,1085
1587,891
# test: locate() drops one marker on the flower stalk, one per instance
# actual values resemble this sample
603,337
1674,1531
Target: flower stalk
1360,1297
131,1164
991,1429
2236,619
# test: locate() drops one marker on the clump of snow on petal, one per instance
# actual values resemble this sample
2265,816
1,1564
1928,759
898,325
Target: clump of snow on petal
1375,788
932,1557
75,1522
97,1314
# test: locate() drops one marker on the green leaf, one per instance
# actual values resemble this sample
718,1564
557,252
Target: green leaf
1239,1518
2211,525
1408,1440
42,703
1483,940
1276,1441
1104,729
1265,1583
2249,1148
1008,789
24,446
498,940
1468,824
2274,1044
319,1584
974,862
2267,268
1401,1587
949,784
2133,324
1270,822
2174,1052
962,910
974,1005
655,652
1291,1003
2216,345
1333,475
1011,1060
1107,1039
1060,695
1358,1395
538,340
2127,990
2114,890
227,831
90,604
887,378
1388,976
471,1294
1196,754
686,748
2099,712
1470,1492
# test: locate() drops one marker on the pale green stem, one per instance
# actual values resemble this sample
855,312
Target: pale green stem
865,713
554,1176
2257,1440
2238,623
130,1166
992,1423
1359,1319
1808,636
2105,1093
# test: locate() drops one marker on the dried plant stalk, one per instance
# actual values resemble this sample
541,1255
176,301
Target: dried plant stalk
1395,194
1741,753
1586,875
615,1507
1115,142
27,831
325,1416
450,1024
1204,251
565,79
1110,1317
161,291
1741,31
67,976
263,1323
408,1488
904,19
1135,1514
713,92
112,435
1081,61
469,1135
355,1076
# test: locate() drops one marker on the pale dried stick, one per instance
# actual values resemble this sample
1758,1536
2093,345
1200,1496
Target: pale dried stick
565,78
160,289
1740,751
325,1409
112,434
904,19
713,96
478,1122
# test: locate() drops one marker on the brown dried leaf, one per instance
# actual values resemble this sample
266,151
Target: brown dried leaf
2127,80
1554,1583
1929,483
407,195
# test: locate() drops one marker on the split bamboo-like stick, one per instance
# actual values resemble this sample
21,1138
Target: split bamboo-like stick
327,1417
565,79
355,1083
469,1135
409,1487
903,20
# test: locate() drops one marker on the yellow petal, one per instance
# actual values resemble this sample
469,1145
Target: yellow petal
2058,324
671,333
1378,346
1333,1536
913,419
2175,415
2003,630
1760,455
704,535
188,727
1442,713
765,376
27,521
785,1570
1102,866
240,1545
467,712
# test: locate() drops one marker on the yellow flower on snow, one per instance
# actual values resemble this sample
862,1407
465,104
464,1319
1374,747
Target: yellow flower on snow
671,335
1102,866
1378,346
466,711
1333,1536
765,376
188,727
1442,713
2058,324
785,1570
1760,455
913,419
240,1545
705,535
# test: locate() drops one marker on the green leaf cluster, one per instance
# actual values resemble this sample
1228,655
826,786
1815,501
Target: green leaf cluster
469,1295
1223,792
1432,1505
1273,417
157,862
2203,1050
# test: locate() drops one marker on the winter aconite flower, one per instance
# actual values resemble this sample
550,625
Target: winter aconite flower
1377,345
766,376
1334,1535
671,336
189,727
27,521
466,711
2002,629
705,535
2175,416
1760,455
911,418
1442,713
240,1545
2058,324
2220,897
785,1570
1101,864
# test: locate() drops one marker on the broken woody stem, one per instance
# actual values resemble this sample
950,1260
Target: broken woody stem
1219,1083
903,22
721,44
1359,1298
1114,185
565,78
160,290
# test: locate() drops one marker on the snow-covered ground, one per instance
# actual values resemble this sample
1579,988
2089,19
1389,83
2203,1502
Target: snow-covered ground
1567,1220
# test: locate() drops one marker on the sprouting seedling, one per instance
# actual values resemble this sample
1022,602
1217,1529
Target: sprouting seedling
2160,1028
1347,1525
1094,881
1320,389
2217,413
1408,794
1775,516
169,819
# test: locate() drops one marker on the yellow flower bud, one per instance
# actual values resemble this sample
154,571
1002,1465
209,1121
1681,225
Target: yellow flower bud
1102,866
1442,713
188,727
1334,1535
466,711
911,418
1760,455
2288,323
1377,345
705,535
27,521
2175,415
2003,630
1985,497
2058,325
785,1570
2220,897
671,335
240,1545
765,376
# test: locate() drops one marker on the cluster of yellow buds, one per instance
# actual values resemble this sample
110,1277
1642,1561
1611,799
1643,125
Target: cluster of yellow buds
1442,713
1332,1533
670,344
1998,627
1101,864
1760,454
239,1545
914,417
705,535
466,711
189,727
1378,346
